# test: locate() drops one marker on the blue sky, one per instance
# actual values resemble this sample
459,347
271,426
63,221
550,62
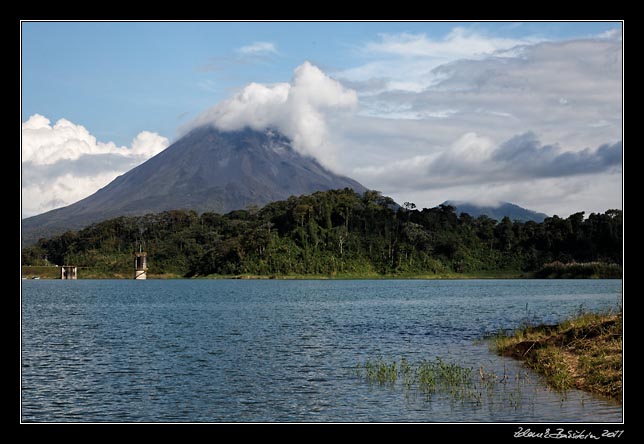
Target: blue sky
117,80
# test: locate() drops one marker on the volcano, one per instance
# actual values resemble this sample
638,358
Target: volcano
205,170
498,212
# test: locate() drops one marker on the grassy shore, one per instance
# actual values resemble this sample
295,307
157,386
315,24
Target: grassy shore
503,274
53,272
579,270
43,272
583,352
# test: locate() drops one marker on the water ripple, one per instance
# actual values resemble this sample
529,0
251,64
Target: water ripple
203,351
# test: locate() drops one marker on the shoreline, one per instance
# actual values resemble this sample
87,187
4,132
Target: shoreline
583,352
53,273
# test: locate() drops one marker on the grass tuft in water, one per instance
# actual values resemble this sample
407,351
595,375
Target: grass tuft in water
439,377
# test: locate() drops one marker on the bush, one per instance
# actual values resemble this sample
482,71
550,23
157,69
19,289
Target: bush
576,270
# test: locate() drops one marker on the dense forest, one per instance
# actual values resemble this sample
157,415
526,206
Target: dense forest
338,232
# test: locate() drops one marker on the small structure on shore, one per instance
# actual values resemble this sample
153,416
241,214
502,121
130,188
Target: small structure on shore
140,265
69,272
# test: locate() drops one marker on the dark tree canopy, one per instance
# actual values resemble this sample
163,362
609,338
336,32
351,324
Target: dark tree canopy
335,232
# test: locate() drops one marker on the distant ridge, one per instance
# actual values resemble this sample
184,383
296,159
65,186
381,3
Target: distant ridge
513,211
205,170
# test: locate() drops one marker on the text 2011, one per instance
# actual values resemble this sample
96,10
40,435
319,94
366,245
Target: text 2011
566,434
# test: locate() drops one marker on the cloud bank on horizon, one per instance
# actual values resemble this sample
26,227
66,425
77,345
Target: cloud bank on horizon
64,163
468,117
538,124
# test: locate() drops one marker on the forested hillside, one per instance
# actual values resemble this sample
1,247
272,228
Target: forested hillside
334,233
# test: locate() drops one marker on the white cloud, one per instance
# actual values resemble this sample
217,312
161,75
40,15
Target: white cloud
611,34
433,113
436,119
59,191
404,61
476,161
258,48
44,144
458,43
147,144
63,163
568,93
561,195
521,170
298,109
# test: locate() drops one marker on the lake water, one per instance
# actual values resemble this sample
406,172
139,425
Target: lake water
235,350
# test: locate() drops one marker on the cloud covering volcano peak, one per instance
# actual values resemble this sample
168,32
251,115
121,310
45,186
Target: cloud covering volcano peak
298,109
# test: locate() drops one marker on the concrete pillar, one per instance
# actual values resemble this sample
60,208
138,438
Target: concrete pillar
140,265
69,272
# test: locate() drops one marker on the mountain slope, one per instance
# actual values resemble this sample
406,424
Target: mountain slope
206,170
514,212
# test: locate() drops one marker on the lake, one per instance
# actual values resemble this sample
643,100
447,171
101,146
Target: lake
274,350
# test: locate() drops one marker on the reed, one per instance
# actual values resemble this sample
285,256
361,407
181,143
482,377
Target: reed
439,377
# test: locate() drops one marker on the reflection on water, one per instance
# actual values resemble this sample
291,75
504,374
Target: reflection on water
195,351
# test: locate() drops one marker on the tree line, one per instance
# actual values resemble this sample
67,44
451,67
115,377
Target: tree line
333,233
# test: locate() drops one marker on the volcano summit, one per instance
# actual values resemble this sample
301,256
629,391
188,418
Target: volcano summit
206,170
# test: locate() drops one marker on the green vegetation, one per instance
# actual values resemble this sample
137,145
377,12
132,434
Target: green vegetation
43,272
441,378
583,352
576,270
430,376
336,234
